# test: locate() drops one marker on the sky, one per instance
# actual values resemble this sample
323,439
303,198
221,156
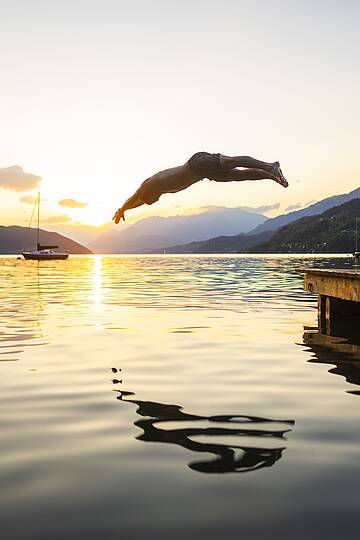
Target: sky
98,95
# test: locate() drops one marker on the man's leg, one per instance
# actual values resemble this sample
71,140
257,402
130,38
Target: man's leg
228,162
237,175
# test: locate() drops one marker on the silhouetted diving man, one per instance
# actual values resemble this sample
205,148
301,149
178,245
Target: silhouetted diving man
201,165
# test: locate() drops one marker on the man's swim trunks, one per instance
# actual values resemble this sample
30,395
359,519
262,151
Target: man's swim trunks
205,164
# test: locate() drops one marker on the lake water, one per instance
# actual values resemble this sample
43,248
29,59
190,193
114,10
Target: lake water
173,397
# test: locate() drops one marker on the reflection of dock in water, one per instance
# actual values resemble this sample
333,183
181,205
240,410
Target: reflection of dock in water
228,457
342,353
337,340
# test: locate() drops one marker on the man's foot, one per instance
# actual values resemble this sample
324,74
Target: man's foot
278,175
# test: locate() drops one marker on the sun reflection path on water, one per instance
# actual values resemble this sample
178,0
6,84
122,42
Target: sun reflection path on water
97,281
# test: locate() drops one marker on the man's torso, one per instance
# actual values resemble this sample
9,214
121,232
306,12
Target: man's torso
170,180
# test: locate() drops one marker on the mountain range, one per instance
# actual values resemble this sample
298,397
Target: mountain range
212,230
239,243
333,231
273,224
156,233
260,235
15,239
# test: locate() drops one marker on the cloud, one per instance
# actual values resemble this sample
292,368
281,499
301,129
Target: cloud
28,199
293,207
261,209
16,179
71,203
266,208
57,219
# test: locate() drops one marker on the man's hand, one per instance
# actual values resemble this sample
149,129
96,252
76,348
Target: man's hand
119,214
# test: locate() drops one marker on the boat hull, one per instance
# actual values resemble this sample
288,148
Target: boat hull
45,256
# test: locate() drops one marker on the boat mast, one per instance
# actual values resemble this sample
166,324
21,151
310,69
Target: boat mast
38,222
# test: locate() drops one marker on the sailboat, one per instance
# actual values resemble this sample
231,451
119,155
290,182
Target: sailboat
43,253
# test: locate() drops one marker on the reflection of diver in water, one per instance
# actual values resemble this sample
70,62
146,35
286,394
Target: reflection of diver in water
230,458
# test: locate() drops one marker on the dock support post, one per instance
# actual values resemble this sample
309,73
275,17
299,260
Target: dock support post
323,314
336,315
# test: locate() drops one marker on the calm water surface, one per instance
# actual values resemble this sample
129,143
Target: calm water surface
171,397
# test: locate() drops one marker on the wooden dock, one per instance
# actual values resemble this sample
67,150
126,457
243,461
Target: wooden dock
338,300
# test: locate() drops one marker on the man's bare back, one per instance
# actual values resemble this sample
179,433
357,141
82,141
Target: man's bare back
216,167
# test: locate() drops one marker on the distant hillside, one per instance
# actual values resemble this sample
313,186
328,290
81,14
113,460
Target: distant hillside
275,223
156,233
331,232
239,243
82,233
15,239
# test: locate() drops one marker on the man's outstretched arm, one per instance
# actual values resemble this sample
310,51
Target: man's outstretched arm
132,202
